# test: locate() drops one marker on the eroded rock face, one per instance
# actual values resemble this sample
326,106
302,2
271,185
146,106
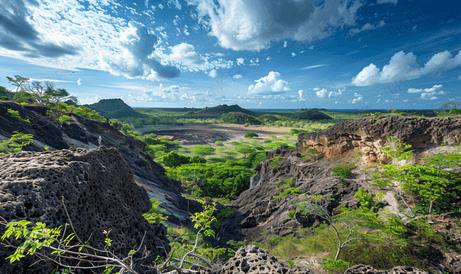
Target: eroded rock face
252,259
263,211
98,190
340,140
85,133
366,269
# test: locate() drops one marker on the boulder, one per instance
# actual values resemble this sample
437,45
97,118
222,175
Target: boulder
252,259
92,189
366,269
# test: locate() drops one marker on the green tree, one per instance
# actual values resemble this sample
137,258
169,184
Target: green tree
18,81
244,149
250,135
203,150
58,95
15,143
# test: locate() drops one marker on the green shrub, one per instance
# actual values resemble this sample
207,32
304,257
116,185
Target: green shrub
219,143
291,191
250,135
277,198
155,214
342,171
15,115
276,162
15,143
331,264
292,213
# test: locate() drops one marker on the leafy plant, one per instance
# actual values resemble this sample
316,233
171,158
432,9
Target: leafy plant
342,171
15,143
15,115
250,135
291,191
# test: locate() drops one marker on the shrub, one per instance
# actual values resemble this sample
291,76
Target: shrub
219,143
342,171
250,135
291,191
15,115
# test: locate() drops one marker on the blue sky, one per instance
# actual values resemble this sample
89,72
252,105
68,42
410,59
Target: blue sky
290,54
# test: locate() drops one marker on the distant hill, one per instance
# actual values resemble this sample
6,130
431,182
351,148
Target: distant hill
311,114
115,109
218,111
240,118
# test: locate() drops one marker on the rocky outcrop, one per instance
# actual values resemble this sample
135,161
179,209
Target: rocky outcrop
252,259
264,209
366,269
85,133
98,191
368,135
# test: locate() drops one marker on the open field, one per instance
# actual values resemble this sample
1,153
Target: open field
201,134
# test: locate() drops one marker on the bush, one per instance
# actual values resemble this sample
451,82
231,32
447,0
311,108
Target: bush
342,171
250,135
291,191
219,143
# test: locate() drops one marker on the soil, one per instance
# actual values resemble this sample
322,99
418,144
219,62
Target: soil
202,134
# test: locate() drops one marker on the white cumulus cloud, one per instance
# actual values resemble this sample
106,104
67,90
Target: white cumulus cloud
213,73
240,25
79,82
404,67
270,84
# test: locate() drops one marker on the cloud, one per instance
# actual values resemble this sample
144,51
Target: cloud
367,26
285,44
379,100
428,90
270,84
18,34
90,100
311,47
240,61
137,60
428,93
356,100
268,58
48,80
322,93
237,76
404,67
388,1
316,66
172,88
79,82
300,93
186,55
213,73
357,95
174,3
240,25
293,54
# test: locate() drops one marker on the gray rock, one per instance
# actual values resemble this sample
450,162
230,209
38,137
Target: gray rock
99,193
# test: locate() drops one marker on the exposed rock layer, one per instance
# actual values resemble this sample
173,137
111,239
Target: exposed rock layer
369,136
99,193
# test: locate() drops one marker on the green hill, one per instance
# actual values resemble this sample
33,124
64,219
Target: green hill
218,111
240,118
311,114
115,109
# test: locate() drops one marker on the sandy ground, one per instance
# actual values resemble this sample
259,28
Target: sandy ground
201,134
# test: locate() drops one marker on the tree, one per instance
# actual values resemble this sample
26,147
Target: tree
58,95
38,89
306,209
15,143
250,135
18,81
203,150
244,149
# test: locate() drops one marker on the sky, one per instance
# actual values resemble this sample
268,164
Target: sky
268,54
